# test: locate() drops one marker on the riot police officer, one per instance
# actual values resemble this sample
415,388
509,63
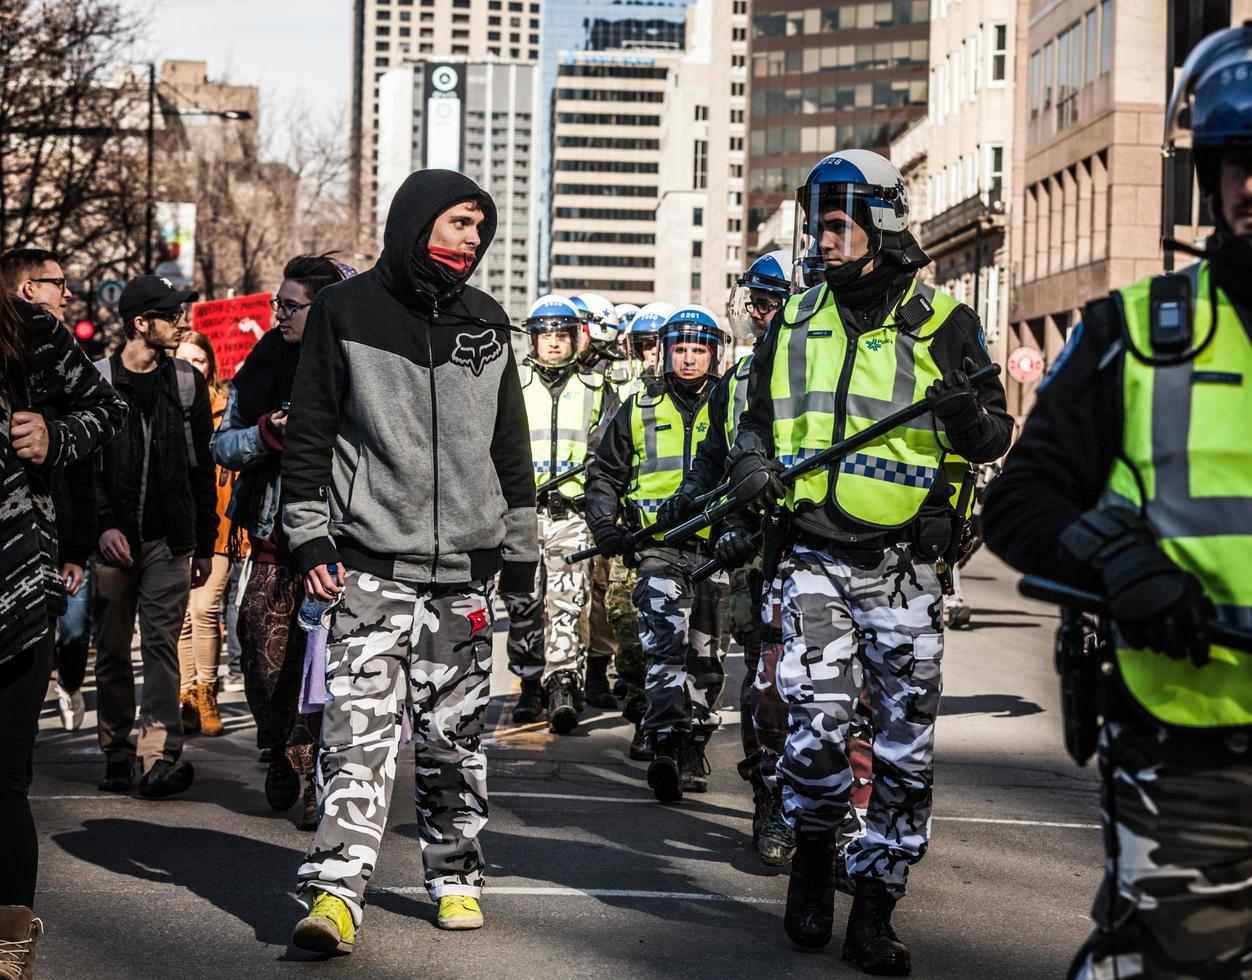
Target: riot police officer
858,583
643,457
1137,460
566,408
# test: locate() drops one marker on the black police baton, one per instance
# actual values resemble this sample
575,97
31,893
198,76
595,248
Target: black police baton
815,462
644,533
556,481
1070,597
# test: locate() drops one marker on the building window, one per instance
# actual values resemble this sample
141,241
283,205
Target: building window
700,165
1048,63
1106,36
695,282
697,217
1036,84
702,113
1089,29
999,52
1068,75
973,67
993,181
697,249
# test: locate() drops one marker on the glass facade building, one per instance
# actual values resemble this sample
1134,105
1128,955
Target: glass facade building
825,77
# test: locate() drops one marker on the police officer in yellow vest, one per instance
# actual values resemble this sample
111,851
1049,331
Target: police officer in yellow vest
566,408
858,586
1137,459
645,453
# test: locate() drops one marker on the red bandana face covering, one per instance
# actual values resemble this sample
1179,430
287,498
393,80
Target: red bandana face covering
454,259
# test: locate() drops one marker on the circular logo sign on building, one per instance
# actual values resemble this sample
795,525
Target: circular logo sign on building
1025,365
110,292
444,78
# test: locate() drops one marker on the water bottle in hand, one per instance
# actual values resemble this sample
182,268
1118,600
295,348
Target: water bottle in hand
312,608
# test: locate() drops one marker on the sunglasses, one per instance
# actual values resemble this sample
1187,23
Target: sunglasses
764,306
175,317
58,281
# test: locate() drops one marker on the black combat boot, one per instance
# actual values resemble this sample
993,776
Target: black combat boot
777,843
641,746
810,912
529,706
871,944
694,764
562,704
597,687
665,772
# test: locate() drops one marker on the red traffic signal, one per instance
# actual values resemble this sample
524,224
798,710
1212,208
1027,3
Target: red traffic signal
84,330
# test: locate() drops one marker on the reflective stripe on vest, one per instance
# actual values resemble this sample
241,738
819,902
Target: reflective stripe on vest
822,392
736,397
664,445
1186,432
558,429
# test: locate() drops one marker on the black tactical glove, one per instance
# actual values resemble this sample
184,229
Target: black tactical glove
952,401
676,508
1154,603
753,477
611,539
734,547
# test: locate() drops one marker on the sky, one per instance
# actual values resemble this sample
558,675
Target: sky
298,52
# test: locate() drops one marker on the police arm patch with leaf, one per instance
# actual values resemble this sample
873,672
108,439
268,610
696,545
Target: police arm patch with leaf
476,350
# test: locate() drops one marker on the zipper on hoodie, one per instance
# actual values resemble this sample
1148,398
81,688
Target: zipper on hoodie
434,437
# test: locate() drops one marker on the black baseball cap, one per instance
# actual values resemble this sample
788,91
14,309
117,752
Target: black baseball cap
144,293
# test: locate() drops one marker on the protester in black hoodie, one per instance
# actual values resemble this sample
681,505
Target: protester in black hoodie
408,485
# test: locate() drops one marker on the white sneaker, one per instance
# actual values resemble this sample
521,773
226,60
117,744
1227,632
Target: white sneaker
72,707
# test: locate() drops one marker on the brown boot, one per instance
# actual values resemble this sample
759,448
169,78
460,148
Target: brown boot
19,931
206,702
188,703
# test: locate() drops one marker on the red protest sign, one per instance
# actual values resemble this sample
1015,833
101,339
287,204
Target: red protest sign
233,327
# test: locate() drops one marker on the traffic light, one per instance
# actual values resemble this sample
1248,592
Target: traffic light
84,330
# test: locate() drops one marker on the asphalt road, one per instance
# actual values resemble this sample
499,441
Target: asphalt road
588,877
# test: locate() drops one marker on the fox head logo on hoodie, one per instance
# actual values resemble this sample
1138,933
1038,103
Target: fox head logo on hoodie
476,350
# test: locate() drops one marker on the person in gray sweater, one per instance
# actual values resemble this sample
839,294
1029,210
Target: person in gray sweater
407,487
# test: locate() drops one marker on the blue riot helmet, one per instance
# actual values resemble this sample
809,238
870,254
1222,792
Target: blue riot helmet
852,208
644,336
1210,108
762,290
552,317
691,346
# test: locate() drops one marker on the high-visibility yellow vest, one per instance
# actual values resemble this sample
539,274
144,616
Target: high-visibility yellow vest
559,426
825,390
736,397
1187,433
665,441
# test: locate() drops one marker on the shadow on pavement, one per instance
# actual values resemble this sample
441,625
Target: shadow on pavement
237,875
999,705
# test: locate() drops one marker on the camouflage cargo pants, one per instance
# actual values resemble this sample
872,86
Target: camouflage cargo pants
845,625
597,628
394,648
683,630
632,666
544,635
1177,900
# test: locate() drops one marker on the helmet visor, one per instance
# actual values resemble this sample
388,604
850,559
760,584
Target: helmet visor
754,305
691,353
834,226
553,341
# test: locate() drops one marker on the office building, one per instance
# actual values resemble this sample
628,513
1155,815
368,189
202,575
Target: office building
607,110
476,117
827,77
391,33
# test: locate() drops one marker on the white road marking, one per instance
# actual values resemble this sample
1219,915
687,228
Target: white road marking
1023,823
562,891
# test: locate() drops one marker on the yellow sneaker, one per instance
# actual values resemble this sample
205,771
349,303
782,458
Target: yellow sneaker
328,928
459,912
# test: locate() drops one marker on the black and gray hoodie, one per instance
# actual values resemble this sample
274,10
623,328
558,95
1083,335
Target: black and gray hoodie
407,454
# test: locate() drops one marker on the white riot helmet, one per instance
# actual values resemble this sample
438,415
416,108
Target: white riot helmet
601,319
852,208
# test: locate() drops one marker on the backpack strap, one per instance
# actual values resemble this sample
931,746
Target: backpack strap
186,376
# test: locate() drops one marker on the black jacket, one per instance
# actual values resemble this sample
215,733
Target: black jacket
188,496
959,341
408,451
82,413
74,496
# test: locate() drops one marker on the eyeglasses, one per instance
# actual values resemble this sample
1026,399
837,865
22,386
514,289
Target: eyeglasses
58,281
175,317
286,309
763,306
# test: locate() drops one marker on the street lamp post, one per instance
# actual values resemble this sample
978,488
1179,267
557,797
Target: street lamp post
243,115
